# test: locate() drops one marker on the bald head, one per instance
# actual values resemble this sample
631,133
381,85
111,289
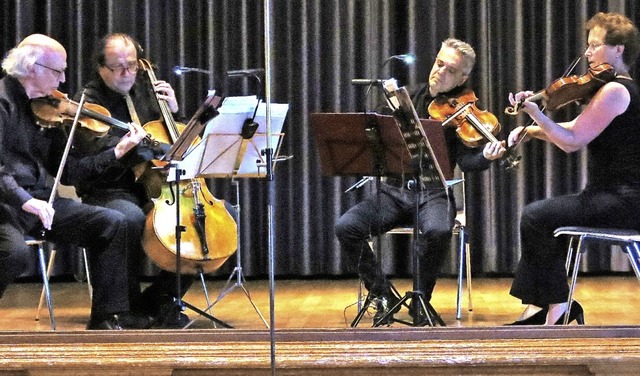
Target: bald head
42,41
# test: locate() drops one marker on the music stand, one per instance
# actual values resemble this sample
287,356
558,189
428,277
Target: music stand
206,112
232,148
370,144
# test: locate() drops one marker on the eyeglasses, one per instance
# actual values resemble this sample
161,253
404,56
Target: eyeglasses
593,46
131,67
57,71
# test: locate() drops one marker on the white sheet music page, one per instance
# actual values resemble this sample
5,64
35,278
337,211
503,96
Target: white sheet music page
221,141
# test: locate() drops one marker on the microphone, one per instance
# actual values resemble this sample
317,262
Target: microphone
245,72
367,81
405,58
250,126
179,70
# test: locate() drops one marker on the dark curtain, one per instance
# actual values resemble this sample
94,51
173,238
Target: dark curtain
317,47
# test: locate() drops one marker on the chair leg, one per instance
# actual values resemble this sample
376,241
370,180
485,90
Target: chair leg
633,252
461,262
45,282
86,269
567,263
43,293
468,259
574,279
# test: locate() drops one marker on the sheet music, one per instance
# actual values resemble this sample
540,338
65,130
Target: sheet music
235,110
415,137
216,155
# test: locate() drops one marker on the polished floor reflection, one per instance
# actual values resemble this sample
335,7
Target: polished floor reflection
324,303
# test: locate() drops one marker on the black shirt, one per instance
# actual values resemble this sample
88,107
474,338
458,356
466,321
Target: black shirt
29,155
117,174
614,155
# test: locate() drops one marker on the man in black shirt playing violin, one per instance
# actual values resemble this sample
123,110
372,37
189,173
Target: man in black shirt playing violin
29,156
395,204
128,94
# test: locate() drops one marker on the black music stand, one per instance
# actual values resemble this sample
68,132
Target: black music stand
232,148
177,152
369,144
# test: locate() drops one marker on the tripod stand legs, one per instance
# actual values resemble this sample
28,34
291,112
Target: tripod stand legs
422,312
204,313
240,281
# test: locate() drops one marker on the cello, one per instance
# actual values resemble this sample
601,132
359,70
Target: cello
210,234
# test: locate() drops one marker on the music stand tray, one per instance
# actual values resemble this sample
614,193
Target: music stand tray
370,144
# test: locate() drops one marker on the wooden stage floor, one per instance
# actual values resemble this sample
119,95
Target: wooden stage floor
312,334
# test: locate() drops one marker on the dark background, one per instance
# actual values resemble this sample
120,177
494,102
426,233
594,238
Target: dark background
317,47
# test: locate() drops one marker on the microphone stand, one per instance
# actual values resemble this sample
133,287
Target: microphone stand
268,152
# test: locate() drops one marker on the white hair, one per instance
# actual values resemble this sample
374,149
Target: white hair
21,58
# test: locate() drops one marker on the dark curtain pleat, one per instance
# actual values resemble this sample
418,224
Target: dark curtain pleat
318,46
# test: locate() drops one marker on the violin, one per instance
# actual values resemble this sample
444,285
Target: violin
570,89
56,109
474,126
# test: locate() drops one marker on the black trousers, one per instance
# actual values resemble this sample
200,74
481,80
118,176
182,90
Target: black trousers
394,206
103,232
163,288
541,275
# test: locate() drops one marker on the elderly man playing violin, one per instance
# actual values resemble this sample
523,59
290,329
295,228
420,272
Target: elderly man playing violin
29,155
395,204
608,128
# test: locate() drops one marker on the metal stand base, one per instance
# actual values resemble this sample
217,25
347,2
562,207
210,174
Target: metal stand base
205,312
240,281
237,271
362,308
422,312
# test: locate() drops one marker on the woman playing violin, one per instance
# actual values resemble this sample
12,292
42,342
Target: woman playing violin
608,128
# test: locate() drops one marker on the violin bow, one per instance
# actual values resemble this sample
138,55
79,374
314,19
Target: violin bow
65,154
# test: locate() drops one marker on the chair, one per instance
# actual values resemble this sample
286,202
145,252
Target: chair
464,251
628,240
464,257
45,272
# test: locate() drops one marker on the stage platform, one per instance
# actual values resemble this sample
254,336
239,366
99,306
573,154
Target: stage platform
313,337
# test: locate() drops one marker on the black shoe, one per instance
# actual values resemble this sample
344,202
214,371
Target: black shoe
538,318
119,321
171,317
386,307
576,313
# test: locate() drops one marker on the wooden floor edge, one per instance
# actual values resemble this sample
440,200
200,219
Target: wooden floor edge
306,335
318,351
